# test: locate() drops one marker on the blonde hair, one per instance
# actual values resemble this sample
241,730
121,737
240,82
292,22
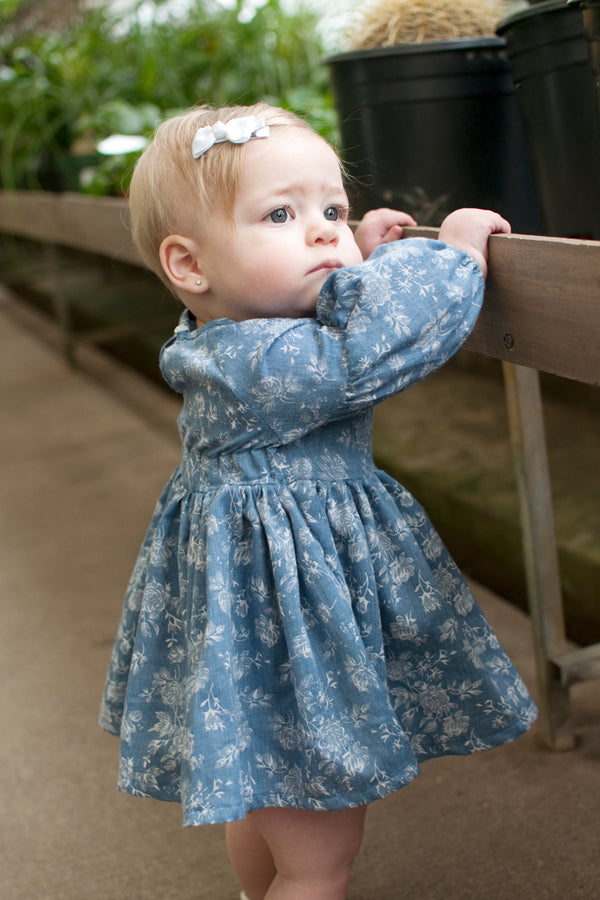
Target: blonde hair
171,192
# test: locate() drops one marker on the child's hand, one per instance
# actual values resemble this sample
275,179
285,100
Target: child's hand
469,230
380,226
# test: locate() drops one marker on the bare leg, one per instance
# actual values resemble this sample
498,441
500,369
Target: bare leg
313,851
250,857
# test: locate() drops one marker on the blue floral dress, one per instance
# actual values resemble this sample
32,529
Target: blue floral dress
294,632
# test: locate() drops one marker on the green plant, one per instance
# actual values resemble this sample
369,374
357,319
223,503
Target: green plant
64,90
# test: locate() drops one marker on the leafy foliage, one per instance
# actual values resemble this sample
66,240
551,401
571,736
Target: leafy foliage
65,89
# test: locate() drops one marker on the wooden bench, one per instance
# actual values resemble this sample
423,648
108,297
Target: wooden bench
542,313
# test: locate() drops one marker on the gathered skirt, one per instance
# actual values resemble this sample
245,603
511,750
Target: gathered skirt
305,644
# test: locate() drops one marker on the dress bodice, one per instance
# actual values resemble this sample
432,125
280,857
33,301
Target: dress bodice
292,398
336,451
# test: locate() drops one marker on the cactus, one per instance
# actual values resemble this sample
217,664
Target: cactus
385,23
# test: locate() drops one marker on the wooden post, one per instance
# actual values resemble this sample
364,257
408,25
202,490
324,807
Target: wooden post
528,442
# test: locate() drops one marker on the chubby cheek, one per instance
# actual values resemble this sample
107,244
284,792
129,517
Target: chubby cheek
273,273
352,254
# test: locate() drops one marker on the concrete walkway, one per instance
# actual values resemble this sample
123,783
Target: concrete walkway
84,455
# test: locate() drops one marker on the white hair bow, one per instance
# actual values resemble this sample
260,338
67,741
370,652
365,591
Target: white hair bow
238,131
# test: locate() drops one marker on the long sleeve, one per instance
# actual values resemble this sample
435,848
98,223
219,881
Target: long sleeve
403,315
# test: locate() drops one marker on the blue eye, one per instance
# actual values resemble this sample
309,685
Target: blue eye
279,216
332,214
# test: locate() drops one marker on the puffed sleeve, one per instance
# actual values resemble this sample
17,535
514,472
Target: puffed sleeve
403,314
380,326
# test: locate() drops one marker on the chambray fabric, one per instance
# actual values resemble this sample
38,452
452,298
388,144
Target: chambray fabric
294,632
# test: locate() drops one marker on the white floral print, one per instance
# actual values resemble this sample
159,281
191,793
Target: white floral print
294,631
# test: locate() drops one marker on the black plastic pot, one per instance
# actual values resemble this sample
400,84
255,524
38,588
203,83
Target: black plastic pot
548,50
591,24
432,127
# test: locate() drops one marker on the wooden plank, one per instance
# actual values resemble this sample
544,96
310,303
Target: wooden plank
31,214
542,306
579,665
96,224
106,231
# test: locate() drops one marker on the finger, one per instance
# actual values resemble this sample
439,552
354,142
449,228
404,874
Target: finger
393,234
407,219
397,217
503,227
391,217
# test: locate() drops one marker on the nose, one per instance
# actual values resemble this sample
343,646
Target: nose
321,231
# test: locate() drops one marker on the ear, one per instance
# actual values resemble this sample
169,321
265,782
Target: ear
179,257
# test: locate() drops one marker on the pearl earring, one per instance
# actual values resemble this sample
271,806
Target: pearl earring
199,282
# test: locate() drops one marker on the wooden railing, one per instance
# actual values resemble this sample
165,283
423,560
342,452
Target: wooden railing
97,224
541,313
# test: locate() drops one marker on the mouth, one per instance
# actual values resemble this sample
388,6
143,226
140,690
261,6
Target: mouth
328,265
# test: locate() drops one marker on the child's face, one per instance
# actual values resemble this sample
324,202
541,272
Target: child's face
290,232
